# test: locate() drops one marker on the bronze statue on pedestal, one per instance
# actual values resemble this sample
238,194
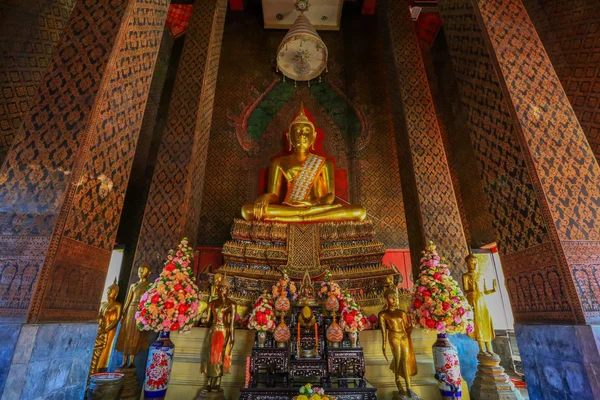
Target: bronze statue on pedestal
395,328
108,319
221,337
131,340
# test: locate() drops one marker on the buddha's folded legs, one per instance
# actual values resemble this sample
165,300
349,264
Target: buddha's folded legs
332,212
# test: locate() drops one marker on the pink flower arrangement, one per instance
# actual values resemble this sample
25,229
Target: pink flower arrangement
286,287
351,319
263,315
438,302
172,301
329,287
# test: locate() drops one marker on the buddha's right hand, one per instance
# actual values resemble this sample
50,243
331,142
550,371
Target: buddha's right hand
260,207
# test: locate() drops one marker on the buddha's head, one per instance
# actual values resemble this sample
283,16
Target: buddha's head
391,298
471,261
144,271
302,134
113,291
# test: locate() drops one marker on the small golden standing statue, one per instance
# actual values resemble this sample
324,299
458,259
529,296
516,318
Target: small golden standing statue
131,340
221,337
310,183
475,291
491,382
395,328
108,319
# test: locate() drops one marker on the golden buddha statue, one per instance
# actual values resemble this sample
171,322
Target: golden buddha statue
108,319
395,328
475,290
131,340
309,179
307,291
221,337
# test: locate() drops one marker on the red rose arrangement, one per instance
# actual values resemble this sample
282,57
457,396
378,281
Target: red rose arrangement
262,317
438,302
171,303
352,319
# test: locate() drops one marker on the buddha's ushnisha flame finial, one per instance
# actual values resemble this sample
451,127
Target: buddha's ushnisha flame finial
301,118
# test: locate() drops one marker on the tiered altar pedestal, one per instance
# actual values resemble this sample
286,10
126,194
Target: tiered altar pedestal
186,379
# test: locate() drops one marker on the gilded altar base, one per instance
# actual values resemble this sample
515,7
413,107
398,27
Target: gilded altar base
491,382
258,251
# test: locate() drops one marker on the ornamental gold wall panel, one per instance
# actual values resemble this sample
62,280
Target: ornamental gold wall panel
562,168
29,33
437,204
174,201
62,184
566,171
570,32
517,217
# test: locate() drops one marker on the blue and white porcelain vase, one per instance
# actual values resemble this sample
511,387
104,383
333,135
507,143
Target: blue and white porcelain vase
158,367
447,368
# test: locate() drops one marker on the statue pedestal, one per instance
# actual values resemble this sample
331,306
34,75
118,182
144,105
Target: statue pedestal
398,396
131,388
491,382
204,395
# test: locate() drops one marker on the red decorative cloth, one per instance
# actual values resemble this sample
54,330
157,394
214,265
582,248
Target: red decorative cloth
178,18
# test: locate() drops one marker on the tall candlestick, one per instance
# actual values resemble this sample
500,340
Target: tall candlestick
316,338
298,349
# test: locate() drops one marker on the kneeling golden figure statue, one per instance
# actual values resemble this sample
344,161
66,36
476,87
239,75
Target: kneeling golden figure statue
310,180
395,328
221,337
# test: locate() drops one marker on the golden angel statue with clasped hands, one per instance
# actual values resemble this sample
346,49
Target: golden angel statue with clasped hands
309,179
395,328
475,292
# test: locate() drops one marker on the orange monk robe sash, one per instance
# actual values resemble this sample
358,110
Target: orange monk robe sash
299,188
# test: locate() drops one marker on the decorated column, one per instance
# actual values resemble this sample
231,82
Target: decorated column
173,206
29,33
436,211
550,260
62,186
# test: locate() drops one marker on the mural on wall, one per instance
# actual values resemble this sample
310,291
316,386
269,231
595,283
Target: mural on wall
249,124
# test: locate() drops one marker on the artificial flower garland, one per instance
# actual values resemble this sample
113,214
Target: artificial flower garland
262,317
438,302
352,319
172,301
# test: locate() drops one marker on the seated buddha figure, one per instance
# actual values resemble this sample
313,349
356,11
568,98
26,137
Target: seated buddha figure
309,181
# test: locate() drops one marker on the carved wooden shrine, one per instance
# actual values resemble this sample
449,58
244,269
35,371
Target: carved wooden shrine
277,373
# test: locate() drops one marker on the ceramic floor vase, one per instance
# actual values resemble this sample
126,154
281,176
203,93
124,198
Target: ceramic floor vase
158,367
447,368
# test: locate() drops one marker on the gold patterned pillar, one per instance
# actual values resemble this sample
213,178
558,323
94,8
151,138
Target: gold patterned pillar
173,206
438,216
29,33
552,278
62,186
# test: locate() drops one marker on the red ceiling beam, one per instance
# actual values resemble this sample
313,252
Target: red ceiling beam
368,7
